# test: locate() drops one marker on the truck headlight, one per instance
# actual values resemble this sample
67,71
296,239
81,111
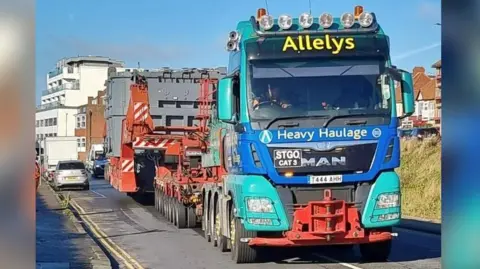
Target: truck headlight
388,200
260,205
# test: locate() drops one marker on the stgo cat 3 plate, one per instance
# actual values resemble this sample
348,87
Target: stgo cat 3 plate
287,158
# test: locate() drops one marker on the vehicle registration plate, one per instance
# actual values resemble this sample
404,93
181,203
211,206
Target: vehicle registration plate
71,178
325,179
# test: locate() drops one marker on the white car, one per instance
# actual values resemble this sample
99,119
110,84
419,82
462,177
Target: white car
70,174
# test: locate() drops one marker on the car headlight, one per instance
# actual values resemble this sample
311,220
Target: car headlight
260,205
388,200
97,166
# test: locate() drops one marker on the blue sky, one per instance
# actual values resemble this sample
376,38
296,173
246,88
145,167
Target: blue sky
190,33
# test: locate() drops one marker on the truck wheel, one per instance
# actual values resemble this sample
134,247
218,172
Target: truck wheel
222,241
211,222
191,217
156,200
205,226
181,215
174,211
160,202
241,251
170,209
165,206
376,252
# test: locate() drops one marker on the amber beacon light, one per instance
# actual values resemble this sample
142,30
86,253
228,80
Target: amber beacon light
358,10
261,12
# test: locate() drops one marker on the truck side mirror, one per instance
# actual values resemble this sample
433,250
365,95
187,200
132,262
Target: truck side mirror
224,100
408,101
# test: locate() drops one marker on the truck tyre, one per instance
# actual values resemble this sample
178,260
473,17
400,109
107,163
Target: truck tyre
181,215
191,217
205,226
222,241
211,222
376,252
170,210
156,200
241,251
165,206
174,211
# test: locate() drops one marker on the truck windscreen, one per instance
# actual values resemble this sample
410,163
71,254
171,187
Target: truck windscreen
316,87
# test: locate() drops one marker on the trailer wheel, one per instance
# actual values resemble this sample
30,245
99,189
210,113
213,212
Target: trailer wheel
161,199
174,211
222,241
157,200
241,251
211,222
191,217
181,215
205,226
165,206
376,252
168,214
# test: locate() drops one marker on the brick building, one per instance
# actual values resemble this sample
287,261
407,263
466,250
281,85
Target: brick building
89,124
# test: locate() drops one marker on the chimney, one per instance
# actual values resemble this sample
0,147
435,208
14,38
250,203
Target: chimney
90,99
418,69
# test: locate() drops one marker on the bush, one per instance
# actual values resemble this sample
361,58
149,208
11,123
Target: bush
420,175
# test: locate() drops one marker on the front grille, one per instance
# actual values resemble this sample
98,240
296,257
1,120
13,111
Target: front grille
344,159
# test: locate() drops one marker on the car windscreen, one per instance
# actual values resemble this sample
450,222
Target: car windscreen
71,166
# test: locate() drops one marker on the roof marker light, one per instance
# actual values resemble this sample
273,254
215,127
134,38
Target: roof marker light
305,20
266,22
285,22
325,20
348,20
365,19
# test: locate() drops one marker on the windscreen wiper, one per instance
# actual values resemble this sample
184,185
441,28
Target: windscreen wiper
292,118
349,116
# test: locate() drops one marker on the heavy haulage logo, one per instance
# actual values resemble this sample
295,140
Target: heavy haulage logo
267,136
306,42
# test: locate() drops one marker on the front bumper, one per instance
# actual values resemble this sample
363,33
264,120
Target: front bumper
327,221
99,171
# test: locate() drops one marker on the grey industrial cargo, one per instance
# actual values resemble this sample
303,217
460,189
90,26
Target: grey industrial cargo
173,99
114,135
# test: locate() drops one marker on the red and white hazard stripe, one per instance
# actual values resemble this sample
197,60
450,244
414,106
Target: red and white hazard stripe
127,166
140,111
153,144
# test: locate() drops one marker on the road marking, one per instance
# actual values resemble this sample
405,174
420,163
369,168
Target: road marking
99,194
336,261
128,260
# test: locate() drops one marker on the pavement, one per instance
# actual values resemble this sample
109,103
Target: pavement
140,238
61,241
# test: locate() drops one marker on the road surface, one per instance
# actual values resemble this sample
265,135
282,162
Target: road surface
149,240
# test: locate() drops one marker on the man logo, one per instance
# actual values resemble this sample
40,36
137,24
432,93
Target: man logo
376,132
266,136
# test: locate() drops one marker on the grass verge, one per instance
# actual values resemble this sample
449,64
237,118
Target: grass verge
420,174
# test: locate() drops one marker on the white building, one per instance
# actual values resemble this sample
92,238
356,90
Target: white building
68,86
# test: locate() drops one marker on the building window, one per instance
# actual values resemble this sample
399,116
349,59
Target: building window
83,142
41,123
81,122
37,123
54,122
79,142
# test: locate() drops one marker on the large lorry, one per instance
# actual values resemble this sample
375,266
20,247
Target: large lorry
55,149
295,146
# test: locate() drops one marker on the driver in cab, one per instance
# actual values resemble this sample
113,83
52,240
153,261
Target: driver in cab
270,97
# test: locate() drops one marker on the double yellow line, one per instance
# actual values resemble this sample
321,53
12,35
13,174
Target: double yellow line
106,242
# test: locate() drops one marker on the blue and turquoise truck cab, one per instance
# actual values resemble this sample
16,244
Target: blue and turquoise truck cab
311,133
